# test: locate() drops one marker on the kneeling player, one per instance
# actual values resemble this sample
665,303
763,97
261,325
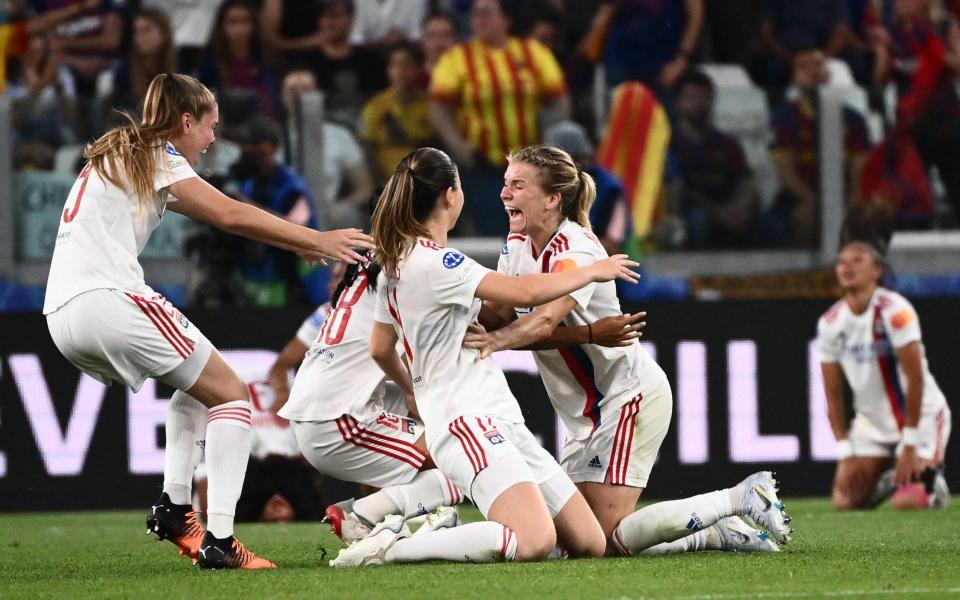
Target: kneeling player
871,338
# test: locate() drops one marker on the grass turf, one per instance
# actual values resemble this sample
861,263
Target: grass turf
864,554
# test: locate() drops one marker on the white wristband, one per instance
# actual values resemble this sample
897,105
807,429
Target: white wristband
844,449
910,436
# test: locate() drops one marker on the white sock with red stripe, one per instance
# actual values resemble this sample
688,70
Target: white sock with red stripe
186,428
228,449
674,519
483,542
426,492
707,539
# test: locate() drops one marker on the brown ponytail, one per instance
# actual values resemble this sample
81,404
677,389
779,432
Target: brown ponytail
130,155
558,174
407,201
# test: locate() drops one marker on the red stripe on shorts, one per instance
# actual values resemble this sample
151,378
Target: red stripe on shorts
356,435
394,444
146,309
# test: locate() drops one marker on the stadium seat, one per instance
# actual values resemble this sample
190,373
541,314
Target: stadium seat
741,109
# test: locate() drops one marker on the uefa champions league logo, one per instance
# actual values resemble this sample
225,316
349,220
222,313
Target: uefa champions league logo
452,260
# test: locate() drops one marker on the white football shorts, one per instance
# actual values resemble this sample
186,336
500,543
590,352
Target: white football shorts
933,430
113,335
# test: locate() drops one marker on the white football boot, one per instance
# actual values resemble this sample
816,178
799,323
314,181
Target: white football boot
442,518
737,535
763,506
372,550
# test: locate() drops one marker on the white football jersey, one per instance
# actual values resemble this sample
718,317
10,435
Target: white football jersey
430,305
587,384
103,230
311,326
866,347
338,375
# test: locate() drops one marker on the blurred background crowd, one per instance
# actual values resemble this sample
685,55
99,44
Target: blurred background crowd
700,121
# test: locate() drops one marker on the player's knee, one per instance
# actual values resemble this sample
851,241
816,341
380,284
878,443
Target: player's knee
588,546
843,501
536,545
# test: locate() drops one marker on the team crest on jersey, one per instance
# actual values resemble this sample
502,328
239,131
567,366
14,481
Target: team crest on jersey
494,437
452,259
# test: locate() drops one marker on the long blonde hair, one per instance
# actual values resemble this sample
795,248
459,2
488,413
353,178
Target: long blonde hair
557,173
130,154
407,201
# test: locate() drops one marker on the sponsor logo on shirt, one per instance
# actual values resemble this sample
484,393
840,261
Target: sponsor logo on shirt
901,319
452,259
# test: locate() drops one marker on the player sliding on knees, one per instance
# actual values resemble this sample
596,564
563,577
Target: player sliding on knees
615,402
426,297
897,439
107,321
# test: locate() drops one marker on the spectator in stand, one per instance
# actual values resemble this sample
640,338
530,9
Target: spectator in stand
796,152
347,74
786,24
713,190
42,94
273,277
290,31
918,48
487,98
191,21
439,35
91,41
609,214
547,27
396,121
233,66
348,183
651,41
151,53
16,29
386,22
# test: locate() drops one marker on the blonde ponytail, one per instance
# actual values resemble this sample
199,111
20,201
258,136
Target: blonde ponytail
130,155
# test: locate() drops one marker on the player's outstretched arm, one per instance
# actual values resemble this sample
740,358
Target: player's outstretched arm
201,201
541,288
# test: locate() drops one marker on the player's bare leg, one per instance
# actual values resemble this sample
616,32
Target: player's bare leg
522,509
578,532
856,480
611,504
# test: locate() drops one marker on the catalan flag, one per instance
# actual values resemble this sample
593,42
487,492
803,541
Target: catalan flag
635,149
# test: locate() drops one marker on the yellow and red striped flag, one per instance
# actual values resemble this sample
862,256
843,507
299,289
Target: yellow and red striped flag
634,147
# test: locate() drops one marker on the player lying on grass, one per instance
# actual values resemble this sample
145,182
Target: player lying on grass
426,297
105,320
616,402
871,338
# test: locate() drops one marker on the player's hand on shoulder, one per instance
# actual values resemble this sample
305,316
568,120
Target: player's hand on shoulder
618,266
619,330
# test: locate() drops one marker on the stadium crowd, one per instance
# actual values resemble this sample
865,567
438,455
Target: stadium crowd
483,77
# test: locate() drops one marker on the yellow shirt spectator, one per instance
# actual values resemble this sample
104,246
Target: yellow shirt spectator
498,93
13,41
395,128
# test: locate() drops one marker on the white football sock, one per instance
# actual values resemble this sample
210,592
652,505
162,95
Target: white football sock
228,449
186,428
675,519
706,539
483,542
425,493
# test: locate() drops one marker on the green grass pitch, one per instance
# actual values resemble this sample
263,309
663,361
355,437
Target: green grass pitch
855,555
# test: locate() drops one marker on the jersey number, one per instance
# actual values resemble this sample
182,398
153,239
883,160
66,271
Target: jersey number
336,325
70,213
